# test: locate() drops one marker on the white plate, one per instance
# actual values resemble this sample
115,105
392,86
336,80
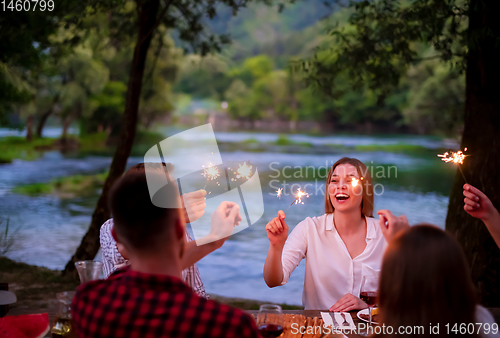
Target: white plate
7,297
365,312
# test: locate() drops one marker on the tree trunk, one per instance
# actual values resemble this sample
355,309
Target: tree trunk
481,136
29,128
42,121
45,116
147,12
65,127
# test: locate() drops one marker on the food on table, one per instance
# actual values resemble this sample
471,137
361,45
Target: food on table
367,317
304,322
25,326
316,325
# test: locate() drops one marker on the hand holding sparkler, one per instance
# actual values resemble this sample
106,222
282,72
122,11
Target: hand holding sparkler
478,205
277,230
391,225
224,219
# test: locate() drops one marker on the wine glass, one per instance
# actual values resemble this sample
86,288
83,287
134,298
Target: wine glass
369,287
270,320
88,270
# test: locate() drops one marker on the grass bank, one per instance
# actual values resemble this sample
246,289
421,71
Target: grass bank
393,148
64,187
36,287
16,147
13,147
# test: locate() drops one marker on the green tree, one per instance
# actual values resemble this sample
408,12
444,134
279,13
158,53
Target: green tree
382,41
27,48
187,17
82,77
203,77
107,109
11,93
436,99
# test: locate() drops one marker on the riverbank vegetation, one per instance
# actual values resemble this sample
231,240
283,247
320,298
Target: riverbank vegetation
17,147
256,77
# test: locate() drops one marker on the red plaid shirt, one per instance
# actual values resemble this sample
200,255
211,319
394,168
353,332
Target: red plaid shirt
134,304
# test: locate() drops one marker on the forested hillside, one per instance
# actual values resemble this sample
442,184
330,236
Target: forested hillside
255,77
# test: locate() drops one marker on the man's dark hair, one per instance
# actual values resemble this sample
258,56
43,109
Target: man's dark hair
137,221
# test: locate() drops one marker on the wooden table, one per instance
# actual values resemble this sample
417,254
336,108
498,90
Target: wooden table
317,313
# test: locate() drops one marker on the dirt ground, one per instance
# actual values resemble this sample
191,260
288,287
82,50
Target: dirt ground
36,287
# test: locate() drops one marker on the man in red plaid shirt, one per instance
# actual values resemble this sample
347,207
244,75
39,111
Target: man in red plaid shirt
149,299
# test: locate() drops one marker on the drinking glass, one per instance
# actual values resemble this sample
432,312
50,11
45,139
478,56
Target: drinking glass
270,321
63,323
88,270
369,287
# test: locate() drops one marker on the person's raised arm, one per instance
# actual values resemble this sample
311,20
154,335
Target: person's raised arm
478,205
391,225
277,232
223,221
224,218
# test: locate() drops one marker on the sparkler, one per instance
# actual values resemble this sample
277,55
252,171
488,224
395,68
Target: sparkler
456,158
298,198
244,171
211,173
279,193
354,182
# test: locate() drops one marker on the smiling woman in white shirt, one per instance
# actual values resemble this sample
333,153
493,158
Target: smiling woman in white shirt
340,246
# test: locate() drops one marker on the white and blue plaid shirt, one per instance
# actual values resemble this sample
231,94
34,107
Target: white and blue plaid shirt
111,259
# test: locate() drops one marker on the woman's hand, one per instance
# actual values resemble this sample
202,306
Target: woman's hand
347,303
477,204
277,230
193,204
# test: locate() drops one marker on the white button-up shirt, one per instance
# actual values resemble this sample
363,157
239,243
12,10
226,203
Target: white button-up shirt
330,271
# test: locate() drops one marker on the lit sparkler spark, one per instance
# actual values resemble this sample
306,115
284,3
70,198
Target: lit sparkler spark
211,173
244,171
354,182
300,193
279,192
456,158
298,197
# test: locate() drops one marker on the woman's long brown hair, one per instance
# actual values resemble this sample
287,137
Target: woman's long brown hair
425,280
367,203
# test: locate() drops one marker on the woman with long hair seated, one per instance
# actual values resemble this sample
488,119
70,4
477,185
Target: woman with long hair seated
425,282
340,246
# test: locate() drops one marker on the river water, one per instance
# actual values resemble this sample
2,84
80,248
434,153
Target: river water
50,228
